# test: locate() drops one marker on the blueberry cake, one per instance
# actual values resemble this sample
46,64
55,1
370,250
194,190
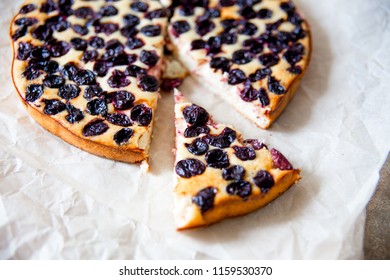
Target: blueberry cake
89,71
253,53
218,174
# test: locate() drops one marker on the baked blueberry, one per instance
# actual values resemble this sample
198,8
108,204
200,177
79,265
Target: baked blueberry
123,136
222,140
280,161
123,100
244,153
180,27
217,158
74,114
33,92
141,114
118,79
53,106
149,58
194,131
96,107
53,81
69,91
234,172
148,83
94,128
187,168
195,115
118,119
198,147
79,44
204,199
264,181
241,188
151,30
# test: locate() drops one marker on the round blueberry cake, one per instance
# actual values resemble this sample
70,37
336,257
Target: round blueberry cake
252,53
218,174
88,71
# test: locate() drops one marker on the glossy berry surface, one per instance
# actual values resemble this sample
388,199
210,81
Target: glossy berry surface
204,199
187,168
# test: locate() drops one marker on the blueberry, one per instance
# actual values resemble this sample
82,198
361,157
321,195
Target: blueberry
294,54
198,147
198,44
79,44
88,56
118,119
288,7
53,106
74,114
57,23
100,68
203,27
280,161
248,93
131,20
118,79
260,74
69,70
69,91
273,26
149,58
264,14
214,13
42,32
194,131
186,11
97,106
244,153
48,7
264,180
295,19
148,83
221,63
195,115
26,21
234,172
236,76
247,12
96,42
141,114
217,158
170,84
214,44
84,77
151,30
79,29
263,97
241,57
27,9
269,59
228,24
228,38
24,50
92,91
108,11
33,92
31,73
180,27
40,53
123,136
296,70
20,32
114,48
123,100
139,6
226,3
204,199
241,188
94,128
84,12
159,13
134,43
256,144
274,86
222,140
245,3
106,28
135,71
53,81
254,46
248,29
187,168
129,31
59,48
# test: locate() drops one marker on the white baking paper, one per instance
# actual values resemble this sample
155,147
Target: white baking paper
57,202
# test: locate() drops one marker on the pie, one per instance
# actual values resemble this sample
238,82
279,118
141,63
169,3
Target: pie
218,174
252,53
89,71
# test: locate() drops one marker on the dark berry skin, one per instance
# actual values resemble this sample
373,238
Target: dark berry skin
228,24
100,68
53,106
222,140
96,42
20,32
69,91
90,55
151,30
108,11
260,74
264,181
247,12
84,12
139,6
248,29
94,128
123,136
33,92
217,158
213,45
274,86
203,27
84,77
149,58
296,70
187,168
79,44
269,59
106,28
135,71
195,115
236,76
42,32
280,161
241,188
180,27
256,144
26,21
148,83
248,93
141,114
118,79
159,13
53,81
194,131
294,54
134,43
27,9
228,38
263,97
69,70
198,147
97,107
226,3
74,114
59,48
244,153
123,100
24,50
241,57
48,7
31,73
235,172
221,63
264,13
92,91
131,20
40,53
204,199
118,119
82,30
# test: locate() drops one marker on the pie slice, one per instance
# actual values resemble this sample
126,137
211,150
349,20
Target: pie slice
253,53
88,71
218,174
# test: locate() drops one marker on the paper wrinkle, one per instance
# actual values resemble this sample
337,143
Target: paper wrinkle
58,202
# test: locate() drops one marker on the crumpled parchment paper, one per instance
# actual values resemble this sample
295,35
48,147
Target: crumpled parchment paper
57,202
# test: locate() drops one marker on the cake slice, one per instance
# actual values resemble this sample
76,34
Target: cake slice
89,71
252,53
218,174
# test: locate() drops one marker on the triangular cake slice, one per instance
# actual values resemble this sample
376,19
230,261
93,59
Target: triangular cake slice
252,53
218,174
89,71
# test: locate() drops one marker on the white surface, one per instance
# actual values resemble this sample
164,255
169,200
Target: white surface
57,202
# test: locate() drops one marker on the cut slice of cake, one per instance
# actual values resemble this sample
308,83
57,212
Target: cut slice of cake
218,174
252,53
89,71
